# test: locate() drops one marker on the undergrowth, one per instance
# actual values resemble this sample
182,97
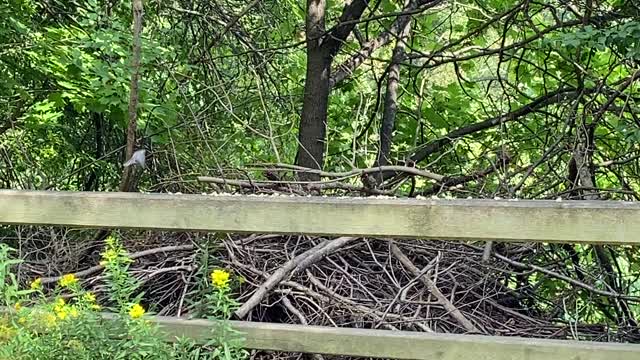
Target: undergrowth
69,323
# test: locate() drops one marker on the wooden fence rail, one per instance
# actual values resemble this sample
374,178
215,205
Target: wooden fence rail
401,344
500,220
465,220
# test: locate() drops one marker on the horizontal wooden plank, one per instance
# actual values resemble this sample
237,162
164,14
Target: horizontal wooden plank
393,344
400,344
500,220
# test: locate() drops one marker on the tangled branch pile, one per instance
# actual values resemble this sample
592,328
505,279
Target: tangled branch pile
428,286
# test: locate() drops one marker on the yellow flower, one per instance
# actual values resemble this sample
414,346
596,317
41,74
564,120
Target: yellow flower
59,304
62,314
36,284
136,311
68,280
22,320
220,279
73,312
96,307
108,256
6,333
89,297
17,306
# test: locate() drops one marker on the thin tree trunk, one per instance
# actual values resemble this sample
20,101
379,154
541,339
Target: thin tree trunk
583,155
127,174
391,98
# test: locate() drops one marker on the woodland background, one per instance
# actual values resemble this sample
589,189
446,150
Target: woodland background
470,98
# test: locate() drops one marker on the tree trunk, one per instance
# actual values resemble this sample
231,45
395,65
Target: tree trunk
126,181
313,125
391,99
583,155
321,49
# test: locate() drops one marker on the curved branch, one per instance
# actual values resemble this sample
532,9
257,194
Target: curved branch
554,97
377,169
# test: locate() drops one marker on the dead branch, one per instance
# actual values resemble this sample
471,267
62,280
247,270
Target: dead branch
556,275
136,255
356,172
275,186
287,269
468,325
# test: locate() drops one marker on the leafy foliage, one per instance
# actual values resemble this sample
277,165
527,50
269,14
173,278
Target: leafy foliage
59,328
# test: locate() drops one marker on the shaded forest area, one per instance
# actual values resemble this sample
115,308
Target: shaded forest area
452,99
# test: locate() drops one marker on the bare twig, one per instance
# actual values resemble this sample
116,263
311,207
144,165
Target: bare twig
468,325
561,277
136,255
274,186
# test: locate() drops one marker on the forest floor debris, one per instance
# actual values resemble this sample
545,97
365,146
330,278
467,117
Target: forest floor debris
433,286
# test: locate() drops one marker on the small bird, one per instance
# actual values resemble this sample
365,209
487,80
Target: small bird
138,158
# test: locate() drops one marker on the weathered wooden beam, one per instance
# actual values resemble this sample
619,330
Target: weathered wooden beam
392,344
595,222
399,344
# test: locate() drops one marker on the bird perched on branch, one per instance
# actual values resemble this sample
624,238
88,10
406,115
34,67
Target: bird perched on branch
138,158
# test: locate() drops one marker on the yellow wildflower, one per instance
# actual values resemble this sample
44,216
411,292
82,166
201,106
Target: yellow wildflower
136,311
96,307
6,333
220,278
36,284
68,280
89,297
22,320
62,314
17,306
109,256
59,304
73,312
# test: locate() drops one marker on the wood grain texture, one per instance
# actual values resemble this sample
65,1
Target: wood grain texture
596,222
400,344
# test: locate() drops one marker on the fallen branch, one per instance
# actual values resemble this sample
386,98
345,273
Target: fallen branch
97,268
431,286
272,186
365,310
355,172
315,253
